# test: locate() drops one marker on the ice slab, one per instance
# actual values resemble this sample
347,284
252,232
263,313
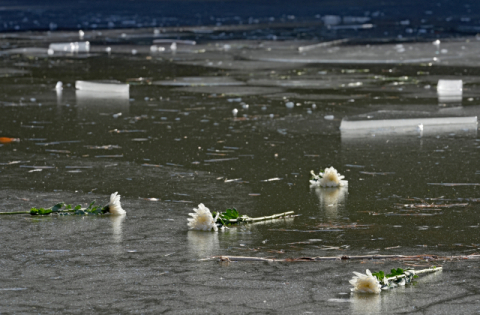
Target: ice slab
412,126
33,51
230,90
450,87
103,87
72,47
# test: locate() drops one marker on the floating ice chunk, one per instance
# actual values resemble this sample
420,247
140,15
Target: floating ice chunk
59,85
329,117
173,46
72,47
81,34
102,87
235,112
289,105
450,90
108,50
331,19
322,45
155,48
174,41
134,51
436,43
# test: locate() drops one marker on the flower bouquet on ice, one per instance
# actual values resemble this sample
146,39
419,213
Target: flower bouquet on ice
329,178
204,220
114,207
377,281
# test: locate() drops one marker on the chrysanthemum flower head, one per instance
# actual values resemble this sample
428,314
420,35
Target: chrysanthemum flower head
365,283
329,178
202,219
114,206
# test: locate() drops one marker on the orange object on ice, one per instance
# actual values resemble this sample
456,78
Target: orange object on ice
8,140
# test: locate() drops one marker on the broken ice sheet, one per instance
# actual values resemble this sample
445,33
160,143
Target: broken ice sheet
358,54
377,173
353,127
200,81
109,156
10,72
454,184
103,147
231,91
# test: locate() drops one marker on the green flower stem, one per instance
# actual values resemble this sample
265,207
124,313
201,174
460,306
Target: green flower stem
270,217
416,272
28,212
15,212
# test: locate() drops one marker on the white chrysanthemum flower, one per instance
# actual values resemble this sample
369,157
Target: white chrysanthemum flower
365,283
329,178
202,219
114,206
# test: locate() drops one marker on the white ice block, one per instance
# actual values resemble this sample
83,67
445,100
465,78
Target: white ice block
72,47
449,87
414,126
102,87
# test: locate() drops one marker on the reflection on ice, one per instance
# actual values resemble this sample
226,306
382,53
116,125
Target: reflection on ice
203,244
94,103
366,303
117,222
412,126
331,200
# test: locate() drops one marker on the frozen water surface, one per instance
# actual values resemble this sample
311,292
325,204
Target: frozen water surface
209,123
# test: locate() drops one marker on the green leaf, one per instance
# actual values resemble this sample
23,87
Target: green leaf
380,275
91,205
396,272
68,207
230,214
57,207
77,207
40,211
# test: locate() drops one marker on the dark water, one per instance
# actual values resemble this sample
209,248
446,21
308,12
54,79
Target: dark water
175,138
